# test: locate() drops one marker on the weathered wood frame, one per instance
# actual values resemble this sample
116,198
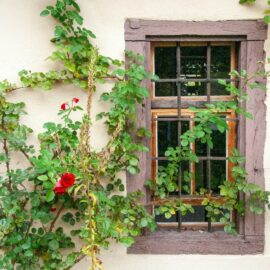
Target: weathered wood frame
251,35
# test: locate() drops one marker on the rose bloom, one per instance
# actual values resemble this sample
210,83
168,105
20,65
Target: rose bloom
75,100
67,180
59,189
64,106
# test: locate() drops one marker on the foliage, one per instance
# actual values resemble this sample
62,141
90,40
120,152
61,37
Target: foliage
166,184
96,208
266,12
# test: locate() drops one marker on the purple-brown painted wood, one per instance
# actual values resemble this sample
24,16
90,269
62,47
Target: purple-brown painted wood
136,29
195,242
136,182
255,135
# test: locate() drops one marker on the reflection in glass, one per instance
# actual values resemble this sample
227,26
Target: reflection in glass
167,134
165,62
193,62
219,144
193,89
220,68
164,89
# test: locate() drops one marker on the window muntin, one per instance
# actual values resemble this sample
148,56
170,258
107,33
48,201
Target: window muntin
192,66
190,72
193,175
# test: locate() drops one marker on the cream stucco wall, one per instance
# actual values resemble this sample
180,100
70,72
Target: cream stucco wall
25,45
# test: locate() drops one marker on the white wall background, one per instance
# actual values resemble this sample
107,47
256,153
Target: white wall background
24,44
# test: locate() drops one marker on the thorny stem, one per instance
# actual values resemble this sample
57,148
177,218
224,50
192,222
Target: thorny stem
56,217
5,147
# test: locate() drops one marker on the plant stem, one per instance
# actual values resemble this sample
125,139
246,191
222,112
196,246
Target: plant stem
56,217
5,147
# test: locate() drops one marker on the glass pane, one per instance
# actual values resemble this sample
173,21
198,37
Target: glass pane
167,134
193,89
163,219
201,175
198,216
165,62
218,174
185,174
193,62
163,89
219,143
220,68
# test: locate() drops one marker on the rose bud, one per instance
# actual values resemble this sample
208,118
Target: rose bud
75,100
67,180
64,106
53,209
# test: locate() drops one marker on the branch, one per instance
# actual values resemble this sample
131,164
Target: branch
76,261
56,217
27,156
5,147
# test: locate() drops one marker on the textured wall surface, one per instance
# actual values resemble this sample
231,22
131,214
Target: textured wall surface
25,45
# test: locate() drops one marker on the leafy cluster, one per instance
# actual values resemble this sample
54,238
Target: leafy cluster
166,185
266,12
94,208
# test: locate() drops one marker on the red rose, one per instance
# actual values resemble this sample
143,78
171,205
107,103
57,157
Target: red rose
67,180
64,106
75,100
59,189
53,209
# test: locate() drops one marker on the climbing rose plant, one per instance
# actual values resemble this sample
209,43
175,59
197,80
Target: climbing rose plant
68,179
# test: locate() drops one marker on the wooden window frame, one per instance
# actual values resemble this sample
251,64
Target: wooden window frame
250,35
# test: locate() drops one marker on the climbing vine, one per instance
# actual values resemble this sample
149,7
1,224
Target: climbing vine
68,179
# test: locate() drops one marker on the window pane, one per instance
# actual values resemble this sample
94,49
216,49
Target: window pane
198,216
219,143
218,174
193,62
163,89
201,175
167,134
165,62
185,176
220,68
193,89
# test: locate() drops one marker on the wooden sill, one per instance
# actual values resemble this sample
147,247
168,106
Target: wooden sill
196,242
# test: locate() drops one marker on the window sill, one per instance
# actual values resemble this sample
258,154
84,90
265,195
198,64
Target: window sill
196,242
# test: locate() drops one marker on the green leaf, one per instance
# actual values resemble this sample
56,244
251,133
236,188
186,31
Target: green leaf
44,13
144,222
50,196
43,177
53,245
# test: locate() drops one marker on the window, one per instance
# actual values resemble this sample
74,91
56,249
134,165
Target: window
189,73
189,58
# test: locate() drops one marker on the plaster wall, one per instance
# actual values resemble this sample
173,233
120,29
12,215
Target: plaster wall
25,45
